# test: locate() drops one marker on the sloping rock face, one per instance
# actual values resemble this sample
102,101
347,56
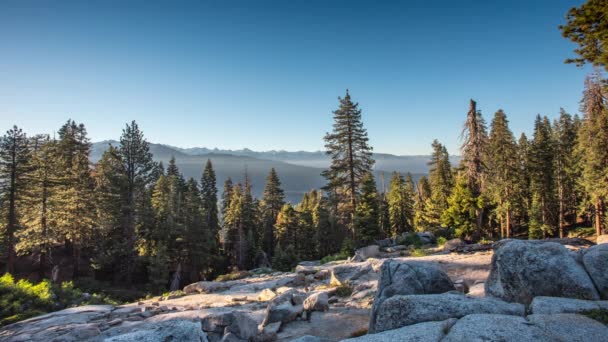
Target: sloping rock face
178,330
364,253
347,273
408,278
495,328
427,331
399,311
522,270
595,260
570,327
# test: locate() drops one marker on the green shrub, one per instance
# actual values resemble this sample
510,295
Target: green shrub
344,290
412,239
441,241
334,257
419,252
600,315
284,260
348,247
22,299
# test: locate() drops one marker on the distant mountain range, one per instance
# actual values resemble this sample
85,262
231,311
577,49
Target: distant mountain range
299,171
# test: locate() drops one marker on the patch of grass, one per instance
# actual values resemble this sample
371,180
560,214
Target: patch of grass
600,315
419,252
236,275
344,290
175,294
359,332
262,270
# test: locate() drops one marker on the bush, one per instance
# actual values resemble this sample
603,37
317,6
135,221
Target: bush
419,252
411,239
334,257
344,290
22,299
600,315
348,247
441,241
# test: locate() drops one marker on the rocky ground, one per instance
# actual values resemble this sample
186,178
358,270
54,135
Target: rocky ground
472,293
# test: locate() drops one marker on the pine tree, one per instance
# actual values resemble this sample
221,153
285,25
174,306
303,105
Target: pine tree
351,157
503,171
271,204
523,154
461,212
111,200
14,167
400,204
75,192
542,183
40,231
139,170
473,152
423,193
209,206
201,241
591,147
286,228
564,131
441,183
367,215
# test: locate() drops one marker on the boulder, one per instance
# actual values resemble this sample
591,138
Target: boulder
557,305
269,332
426,237
595,261
310,338
426,331
317,302
521,270
322,274
299,280
231,337
242,325
306,270
602,239
310,263
347,273
452,245
408,278
266,295
396,248
364,253
570,327
399,311
175,330
284,308
494,327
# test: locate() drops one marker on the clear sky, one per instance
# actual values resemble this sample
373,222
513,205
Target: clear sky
267,74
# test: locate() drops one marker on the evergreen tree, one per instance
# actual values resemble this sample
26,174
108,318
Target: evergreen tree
461,212
209,206
75,192
367,215
423,193
271,204
542,183
351,157
566,170
400,204
523,154
591,147
14,167
473,152
200,240
286,228
139,170
503,171
39,232
441,183
111,193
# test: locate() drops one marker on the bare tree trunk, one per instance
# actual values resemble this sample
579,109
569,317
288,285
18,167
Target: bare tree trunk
598,217
508,223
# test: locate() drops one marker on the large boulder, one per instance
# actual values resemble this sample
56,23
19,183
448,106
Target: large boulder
211,286
408,278
426,237
317,302
595,260
426,331
385,242
284,308
502,328
364,253
570,327
399,311
558,305
175,330
521,270
347,273
452,245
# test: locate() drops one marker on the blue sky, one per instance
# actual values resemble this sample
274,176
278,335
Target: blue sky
267,74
